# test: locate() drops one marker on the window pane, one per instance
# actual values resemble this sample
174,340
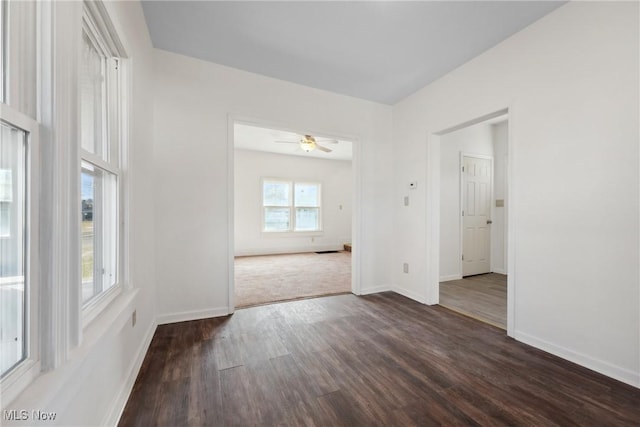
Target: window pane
5,219
276,219
6,197
92,99
307,195
98,230
276,193
12,247
307,219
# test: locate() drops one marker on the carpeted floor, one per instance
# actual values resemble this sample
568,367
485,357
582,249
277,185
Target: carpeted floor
269,278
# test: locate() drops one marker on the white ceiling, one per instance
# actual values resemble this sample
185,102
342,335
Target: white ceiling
247,137
376,50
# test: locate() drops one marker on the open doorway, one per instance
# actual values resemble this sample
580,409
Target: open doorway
473,220
293,208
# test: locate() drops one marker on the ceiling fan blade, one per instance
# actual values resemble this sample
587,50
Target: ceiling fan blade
328,140
287,142
325,149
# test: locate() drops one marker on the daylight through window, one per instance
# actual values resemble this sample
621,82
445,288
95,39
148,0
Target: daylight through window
291,206
100,166
13,247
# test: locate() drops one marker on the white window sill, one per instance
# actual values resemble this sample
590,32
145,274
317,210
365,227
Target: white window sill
279,234
62,381
99,304
18,380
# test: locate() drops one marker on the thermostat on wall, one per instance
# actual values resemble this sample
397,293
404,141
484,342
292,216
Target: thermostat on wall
413,185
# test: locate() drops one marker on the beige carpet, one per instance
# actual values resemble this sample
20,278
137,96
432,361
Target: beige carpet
269,278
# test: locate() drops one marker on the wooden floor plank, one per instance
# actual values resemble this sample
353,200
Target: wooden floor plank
483,297
375,360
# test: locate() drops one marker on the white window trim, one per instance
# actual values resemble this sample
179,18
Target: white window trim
29,368
95,18
291,232
20,85
3,40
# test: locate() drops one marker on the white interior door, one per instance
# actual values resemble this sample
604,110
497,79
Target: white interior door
476,215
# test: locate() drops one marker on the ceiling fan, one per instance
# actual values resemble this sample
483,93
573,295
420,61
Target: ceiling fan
309,143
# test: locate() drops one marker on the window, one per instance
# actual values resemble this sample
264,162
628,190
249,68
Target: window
13,280
307,203
291,206
100,168
19,175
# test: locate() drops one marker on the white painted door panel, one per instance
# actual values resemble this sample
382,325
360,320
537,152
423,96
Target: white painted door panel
476,211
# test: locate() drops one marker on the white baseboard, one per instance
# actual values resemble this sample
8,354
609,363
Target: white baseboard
192,315
289,250
375,290
117,408
499,271
621,374
409,294
450,277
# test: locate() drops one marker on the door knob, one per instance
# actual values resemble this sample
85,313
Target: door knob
489,221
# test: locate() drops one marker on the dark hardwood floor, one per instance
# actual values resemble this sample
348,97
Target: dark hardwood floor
359,361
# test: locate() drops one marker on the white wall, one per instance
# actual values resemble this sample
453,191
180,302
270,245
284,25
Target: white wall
92,385
571,79
335,177
193,102
476,139
500,136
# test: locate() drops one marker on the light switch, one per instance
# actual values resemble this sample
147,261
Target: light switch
406,200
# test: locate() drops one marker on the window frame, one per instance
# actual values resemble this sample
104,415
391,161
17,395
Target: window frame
97,25
18,60
292,231
40,86
4,22
21,374
296,206
265,207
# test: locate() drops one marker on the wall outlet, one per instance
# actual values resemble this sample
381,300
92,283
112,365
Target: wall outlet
405,267
134,318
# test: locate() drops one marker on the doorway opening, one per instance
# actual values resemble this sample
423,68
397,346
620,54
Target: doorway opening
292,213
473,270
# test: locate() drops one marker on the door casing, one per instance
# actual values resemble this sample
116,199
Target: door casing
432,203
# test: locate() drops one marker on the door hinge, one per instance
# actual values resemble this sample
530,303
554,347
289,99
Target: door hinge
462,213
463,169
463,257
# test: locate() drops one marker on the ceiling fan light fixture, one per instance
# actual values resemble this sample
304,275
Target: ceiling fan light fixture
308,143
